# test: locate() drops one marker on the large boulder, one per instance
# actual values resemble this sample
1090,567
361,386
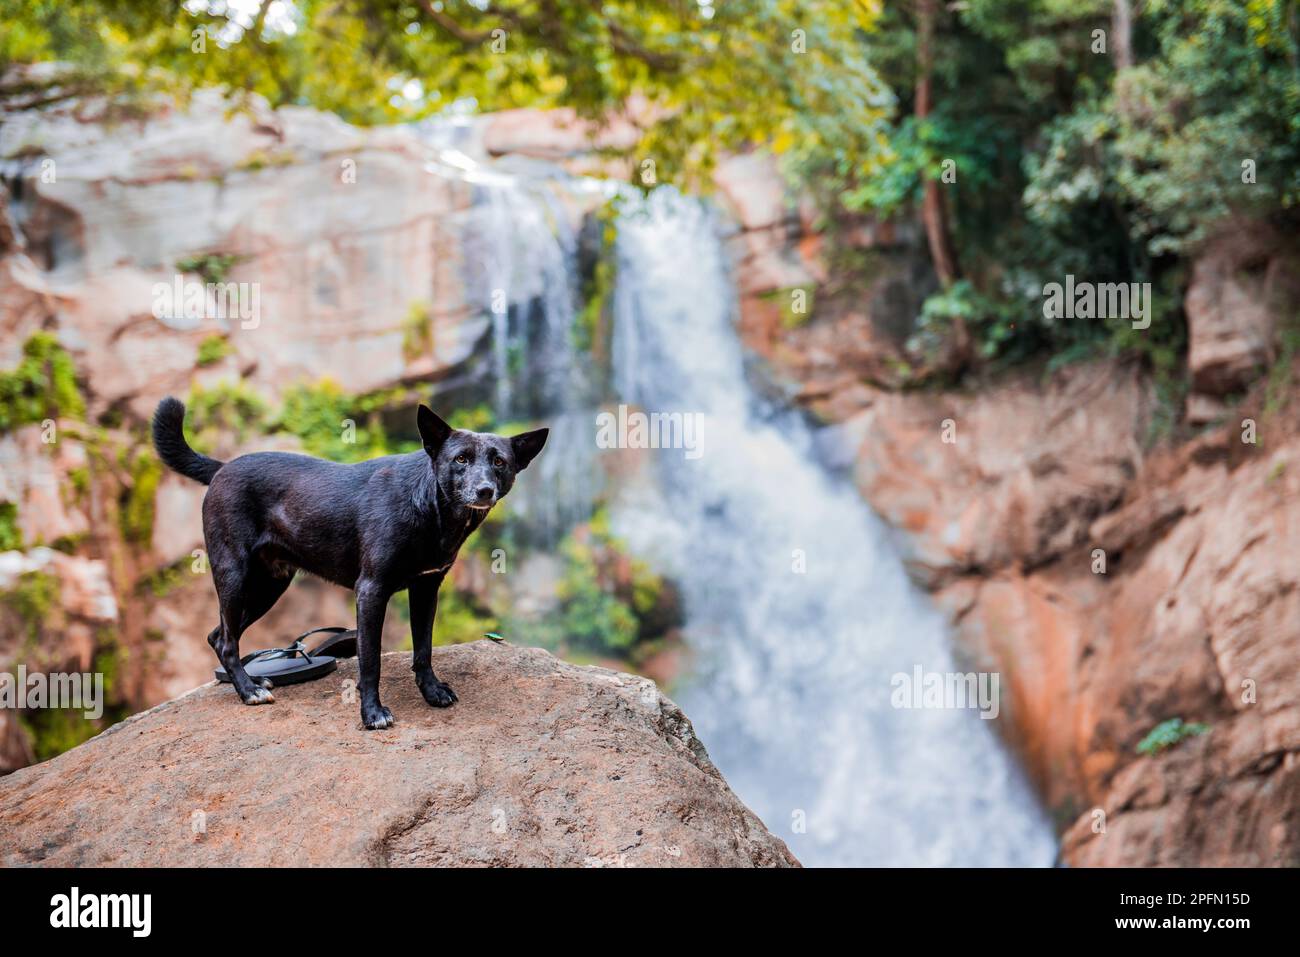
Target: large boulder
541,763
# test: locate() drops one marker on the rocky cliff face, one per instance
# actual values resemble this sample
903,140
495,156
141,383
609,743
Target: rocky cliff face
1116,590
540,764
338,224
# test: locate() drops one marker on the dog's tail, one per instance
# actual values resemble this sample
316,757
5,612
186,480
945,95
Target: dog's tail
169,441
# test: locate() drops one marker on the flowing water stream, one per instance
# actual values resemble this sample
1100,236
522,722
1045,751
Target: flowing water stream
799,609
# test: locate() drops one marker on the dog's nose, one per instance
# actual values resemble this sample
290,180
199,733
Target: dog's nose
485,493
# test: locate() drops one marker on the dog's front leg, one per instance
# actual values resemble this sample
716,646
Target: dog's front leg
372,598
424,605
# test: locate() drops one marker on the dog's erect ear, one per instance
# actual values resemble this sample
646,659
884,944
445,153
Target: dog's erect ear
527,446
433,431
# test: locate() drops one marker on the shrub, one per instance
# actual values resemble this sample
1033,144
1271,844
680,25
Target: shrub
1169,733
210,267
137,506
227,408
417,332
42,386
33,599
331,423
212,350
11,536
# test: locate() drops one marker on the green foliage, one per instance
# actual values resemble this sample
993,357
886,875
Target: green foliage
606,597
784,300
417,332
330,423
591,324
460,618
474,418
960,302
1224,89
109,660
317,413
163,581
262,159
716,77
53,731
1044,47
1163,152
11,536
647,588
42,386
588,329
210,267
1168,733
68,544
32,599
79,479
212,350
1141,172
1064,166
229,408
1280,378
136,512
593,617
917,151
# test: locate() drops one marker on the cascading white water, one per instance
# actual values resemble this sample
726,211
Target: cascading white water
792,690
519,250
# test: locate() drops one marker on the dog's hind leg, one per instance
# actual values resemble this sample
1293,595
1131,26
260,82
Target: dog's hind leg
245,595
262,590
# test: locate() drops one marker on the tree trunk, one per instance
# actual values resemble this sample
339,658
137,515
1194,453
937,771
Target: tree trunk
1122,40
933,212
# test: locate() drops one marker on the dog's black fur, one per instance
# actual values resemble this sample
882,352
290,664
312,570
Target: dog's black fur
376,527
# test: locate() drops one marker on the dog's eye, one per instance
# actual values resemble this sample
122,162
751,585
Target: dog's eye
499,462
462,459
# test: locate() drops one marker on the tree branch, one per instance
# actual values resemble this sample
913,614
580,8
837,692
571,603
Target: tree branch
453,28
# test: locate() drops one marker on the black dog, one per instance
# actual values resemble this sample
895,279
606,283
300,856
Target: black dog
376,527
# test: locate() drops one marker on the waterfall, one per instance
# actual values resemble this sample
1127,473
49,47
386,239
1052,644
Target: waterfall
791,691
519,251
